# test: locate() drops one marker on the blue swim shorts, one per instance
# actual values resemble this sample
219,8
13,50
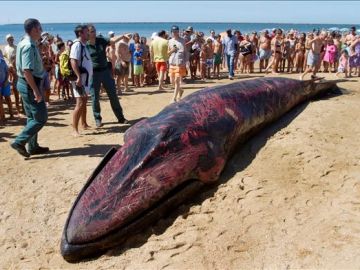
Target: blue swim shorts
5,91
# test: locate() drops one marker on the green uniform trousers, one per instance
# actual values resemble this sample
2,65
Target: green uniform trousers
36,114
104,77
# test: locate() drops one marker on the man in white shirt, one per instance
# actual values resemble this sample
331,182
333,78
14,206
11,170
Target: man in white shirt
83,68
10,51
10,58
177,62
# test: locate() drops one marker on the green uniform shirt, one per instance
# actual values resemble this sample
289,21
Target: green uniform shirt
28,57
98,52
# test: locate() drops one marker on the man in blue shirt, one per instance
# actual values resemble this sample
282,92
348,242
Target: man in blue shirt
30,71
230,47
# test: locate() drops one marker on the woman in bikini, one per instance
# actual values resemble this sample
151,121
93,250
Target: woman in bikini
292,44
300,51
276,47
246,54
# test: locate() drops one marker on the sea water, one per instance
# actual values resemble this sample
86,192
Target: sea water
66,30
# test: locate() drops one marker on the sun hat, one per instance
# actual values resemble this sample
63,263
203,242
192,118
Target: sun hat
154,35
8,36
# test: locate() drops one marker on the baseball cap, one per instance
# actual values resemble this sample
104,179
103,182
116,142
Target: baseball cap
189,29
174,28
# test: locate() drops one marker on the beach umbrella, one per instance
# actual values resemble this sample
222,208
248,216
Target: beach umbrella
344,29
333,29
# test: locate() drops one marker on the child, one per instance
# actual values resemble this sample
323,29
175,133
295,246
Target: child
217,56
203,62
209,57
343,63
330,55
64,70
146,57
138,66
45,86
4,89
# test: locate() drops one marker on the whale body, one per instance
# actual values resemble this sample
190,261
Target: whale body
190,139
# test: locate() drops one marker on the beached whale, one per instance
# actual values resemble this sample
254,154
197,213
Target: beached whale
162,155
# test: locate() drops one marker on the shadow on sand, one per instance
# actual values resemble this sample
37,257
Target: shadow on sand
90,150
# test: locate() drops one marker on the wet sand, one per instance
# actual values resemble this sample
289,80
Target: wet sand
289,198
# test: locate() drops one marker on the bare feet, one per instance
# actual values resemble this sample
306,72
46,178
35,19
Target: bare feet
86,127
76,133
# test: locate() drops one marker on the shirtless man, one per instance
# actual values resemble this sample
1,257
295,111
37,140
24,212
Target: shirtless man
351,36
122,65
264,49
111,58
313,58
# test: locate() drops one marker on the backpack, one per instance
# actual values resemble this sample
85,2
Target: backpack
72,76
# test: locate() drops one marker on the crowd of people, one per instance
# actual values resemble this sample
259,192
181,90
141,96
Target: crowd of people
42,65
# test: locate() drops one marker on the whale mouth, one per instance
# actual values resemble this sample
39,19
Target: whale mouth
80,251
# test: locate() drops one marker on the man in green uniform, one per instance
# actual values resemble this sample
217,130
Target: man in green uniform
102,75
30,71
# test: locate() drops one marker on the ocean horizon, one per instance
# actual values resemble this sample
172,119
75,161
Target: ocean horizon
66,30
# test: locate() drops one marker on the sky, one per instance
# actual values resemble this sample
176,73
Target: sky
336,12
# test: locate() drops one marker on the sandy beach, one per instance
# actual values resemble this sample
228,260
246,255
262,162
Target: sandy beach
289,198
